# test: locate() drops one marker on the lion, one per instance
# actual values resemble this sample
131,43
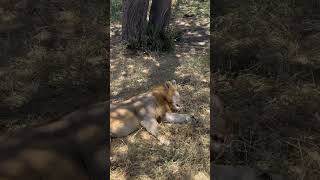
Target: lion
228,172
220,128
73,147
147,110
220,125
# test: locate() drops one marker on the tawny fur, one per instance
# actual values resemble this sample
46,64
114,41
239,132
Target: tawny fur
220,125
73,147
145,110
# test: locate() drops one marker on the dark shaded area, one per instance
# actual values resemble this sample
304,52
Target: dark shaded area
241,173
53,58
270,38
265,67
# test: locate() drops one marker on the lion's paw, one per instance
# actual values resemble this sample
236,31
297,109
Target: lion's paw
164,141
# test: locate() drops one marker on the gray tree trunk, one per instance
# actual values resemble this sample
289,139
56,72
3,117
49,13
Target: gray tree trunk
160,14
134,19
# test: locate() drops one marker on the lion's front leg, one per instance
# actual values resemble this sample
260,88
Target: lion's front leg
178,118
151,126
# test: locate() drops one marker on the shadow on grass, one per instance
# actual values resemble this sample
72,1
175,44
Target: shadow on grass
53,55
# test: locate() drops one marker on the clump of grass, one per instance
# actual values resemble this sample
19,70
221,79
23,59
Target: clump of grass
159,41
115,10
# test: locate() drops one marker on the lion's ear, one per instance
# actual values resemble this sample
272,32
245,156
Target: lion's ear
167,84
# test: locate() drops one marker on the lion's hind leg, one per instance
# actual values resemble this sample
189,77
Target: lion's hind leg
123,122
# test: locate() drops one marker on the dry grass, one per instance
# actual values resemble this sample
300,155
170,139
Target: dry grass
139,156
266,56
271,37
52,61
275,125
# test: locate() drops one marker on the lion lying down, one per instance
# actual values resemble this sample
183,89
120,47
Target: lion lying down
73,147
227,172
147,110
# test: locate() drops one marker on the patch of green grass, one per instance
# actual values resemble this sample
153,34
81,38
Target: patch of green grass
200,62
199,8
116,10
163,42
157,41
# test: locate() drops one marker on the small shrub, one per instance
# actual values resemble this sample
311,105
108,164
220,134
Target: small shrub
157,41
116,9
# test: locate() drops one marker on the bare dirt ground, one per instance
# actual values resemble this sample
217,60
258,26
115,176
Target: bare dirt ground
139,156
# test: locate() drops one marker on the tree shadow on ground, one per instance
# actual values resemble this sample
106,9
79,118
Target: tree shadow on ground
194,39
